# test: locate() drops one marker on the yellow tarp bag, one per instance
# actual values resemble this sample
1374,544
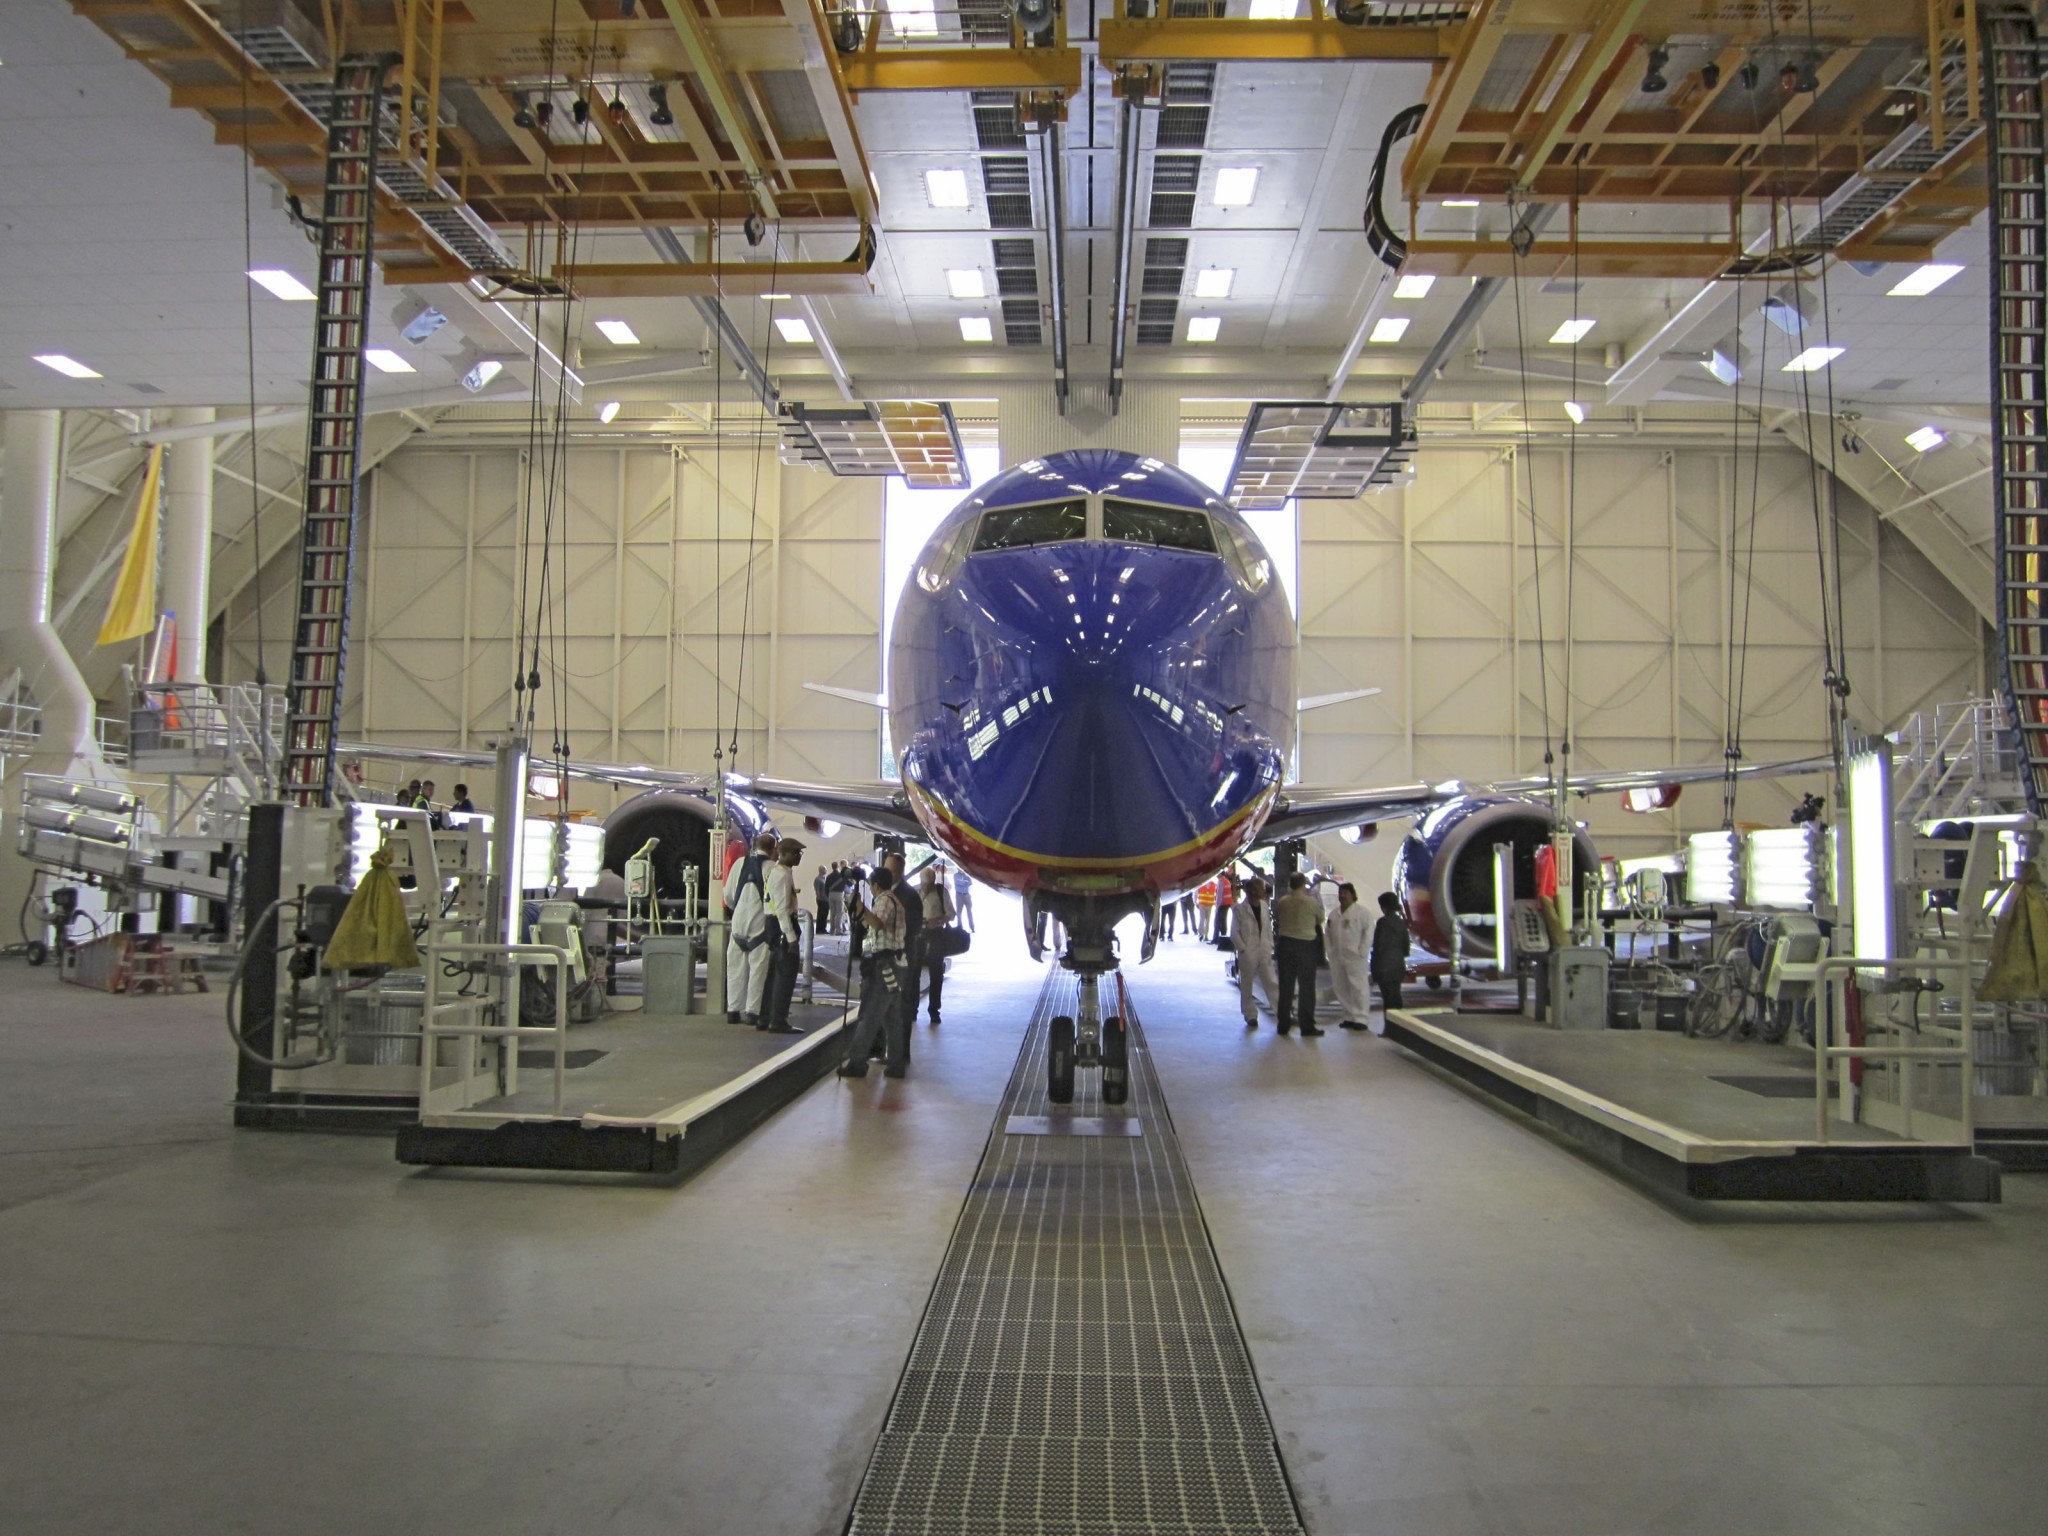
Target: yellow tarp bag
2019,945
374,930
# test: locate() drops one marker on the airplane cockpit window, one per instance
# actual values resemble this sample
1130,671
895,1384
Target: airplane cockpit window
1047,522
1131,522
1251,567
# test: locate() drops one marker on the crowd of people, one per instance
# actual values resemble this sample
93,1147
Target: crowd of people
1280,945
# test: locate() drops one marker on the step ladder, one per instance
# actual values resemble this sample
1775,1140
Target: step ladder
2014,110
334,431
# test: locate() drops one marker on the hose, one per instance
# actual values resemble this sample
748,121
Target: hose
242,960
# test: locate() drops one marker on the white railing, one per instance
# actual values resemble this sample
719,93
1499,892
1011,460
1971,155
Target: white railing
449,1103
1957,761
1901,1064
21,731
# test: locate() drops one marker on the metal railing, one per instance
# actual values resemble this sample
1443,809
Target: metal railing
511,1031
1960,760
21,731
1901,1064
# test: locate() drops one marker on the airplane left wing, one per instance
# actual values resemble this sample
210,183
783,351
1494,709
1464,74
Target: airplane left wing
633,775
1304,809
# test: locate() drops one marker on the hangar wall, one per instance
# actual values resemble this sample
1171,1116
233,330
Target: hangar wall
1427,592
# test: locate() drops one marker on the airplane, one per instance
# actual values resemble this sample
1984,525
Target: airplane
1091,684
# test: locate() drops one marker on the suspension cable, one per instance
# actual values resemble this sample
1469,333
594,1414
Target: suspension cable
203,621
1535,548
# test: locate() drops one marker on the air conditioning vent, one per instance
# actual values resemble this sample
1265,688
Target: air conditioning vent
1006,180
1022,326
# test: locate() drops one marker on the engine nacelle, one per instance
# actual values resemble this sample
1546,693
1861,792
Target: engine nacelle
1445,867
681,818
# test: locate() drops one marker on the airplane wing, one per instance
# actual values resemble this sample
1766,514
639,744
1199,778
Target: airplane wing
633,775
1304,809
878,805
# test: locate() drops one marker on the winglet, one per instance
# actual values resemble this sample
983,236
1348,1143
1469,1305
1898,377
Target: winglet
872,700
1318,701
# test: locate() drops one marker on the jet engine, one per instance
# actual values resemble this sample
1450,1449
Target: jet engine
1444,870
681,819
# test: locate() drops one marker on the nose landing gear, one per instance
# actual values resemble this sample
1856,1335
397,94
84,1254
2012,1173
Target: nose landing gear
1091,1040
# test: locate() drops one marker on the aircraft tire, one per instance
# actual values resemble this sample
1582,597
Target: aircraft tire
1116,1060
1059,1062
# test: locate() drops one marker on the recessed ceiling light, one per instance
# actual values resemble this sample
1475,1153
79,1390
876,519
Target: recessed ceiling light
966,283
946,188
1922,281
1390,328
1721,366
1461,202
70,367
793,329
1571,331
976,328
618,333
1415,286
1925,438
283,284
1203,327
1273,10
1215,282
1812,358
608,412
1235,186
1576,411
384,360
913,18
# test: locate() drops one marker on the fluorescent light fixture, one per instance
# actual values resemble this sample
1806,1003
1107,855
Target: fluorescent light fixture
70,367
1215,282
384,360
1922,281
946,188
1235,186
283,284
1389,328
1461,202
1274,10
480,375
793,330
913,18
1203,327
618,333
966,283
608,412
1781,866
1925,438
1571,331
976,328
1710,867
1721,366
1576,411
1870,850
771,297
1812,358
1414,286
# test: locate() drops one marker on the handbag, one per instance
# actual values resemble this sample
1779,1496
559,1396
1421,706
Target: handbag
949,941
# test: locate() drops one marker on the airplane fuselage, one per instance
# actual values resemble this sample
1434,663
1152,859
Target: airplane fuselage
1092,680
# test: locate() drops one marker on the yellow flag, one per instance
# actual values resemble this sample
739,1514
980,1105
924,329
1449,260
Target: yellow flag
132,612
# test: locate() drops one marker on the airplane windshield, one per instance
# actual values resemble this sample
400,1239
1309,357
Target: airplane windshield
1048,522
1131,522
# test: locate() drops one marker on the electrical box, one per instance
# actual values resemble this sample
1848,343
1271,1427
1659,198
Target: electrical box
1578,988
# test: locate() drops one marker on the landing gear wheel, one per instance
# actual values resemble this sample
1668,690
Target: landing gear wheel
1116,1061
1059,1062
1434,983
37,951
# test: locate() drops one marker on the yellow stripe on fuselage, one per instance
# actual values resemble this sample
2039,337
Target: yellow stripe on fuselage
1049,861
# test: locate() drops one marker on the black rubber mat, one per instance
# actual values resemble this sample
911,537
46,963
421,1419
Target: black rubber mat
544,1060
1079,1370
1773,1086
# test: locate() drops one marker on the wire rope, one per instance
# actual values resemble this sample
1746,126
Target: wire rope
1535,547
261,677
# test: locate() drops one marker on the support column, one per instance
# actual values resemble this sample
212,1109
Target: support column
188,539
28,563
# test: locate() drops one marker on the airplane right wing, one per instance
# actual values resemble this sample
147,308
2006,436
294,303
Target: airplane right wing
877,806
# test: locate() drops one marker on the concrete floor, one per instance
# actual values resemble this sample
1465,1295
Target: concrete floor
1461,1326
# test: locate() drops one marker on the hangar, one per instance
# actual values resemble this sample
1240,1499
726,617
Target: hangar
1573,465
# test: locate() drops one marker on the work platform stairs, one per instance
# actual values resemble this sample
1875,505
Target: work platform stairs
1957,760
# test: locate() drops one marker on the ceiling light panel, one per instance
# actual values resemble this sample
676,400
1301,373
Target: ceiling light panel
1571,331
1925,439
793,330
1812,358
946,188
1274,10
966,283
384,360
618,333
1204,327
1415,285
1922,281
281,283
1215,282
913,18
976,328
1389,328
1236,186
70,367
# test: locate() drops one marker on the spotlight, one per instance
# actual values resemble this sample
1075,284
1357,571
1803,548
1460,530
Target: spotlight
522,115
1653,78
1749,75
543,114
661,117
1788,78
618,111
1807,77
1710,75
579,111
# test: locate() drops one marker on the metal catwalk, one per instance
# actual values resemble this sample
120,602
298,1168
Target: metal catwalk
1079,1370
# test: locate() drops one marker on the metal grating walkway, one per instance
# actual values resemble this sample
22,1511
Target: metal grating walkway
1079,1370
